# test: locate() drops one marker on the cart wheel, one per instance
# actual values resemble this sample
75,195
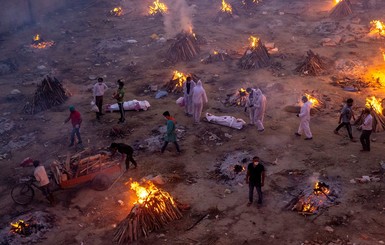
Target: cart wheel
100,182
22,194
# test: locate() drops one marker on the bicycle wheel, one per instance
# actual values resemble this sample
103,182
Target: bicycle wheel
22,194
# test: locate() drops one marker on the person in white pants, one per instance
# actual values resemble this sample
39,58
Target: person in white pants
188,87
260,110
251,104
199,98
304,116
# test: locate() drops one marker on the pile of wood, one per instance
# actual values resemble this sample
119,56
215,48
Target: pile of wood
154,213
238,98
341,10
175,85
312,66
184,48
220,56
48,94
255,57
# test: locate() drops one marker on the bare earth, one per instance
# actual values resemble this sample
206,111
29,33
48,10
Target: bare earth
89,42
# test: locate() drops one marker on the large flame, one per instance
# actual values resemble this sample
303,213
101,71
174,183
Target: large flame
375,104
320,188
337,1
149,194
18,226
158,7
118,11
226,7
181,77
253,41
377,27
313,100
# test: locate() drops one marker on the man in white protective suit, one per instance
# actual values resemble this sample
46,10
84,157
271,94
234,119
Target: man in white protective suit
188,87
304,116
251,105
199,98
260,110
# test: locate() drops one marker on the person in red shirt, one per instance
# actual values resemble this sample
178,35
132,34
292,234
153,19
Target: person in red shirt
76,120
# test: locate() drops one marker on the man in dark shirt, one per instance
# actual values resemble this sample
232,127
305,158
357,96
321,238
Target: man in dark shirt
255,177
124,149
345,118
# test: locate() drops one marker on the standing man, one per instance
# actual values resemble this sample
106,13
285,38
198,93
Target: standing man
124,150
170,133
42,177
188,87
346,116
367,127
251,104
98,91
199,97
255,177
76,121
260,112
119,96
304,115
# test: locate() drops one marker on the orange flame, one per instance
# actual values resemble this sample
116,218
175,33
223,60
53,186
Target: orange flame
215,52
118,11
377,27
375,104
254,41
150,194
338,1
313,100
39,44
36,37
158,7
180,77
18,226
320,189
226,7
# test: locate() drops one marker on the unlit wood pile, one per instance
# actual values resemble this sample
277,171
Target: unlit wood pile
153,214
48,94
342,9
216,57
255,57
184,48
312,66
378,121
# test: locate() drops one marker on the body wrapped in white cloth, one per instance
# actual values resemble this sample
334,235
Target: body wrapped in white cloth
132,105
228,121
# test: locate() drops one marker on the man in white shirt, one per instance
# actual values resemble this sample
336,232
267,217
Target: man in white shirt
304,116
42,177
99,89
367,127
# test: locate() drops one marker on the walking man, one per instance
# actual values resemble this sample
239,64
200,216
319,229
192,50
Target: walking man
367,127
170,134
346,116
199,98
255,178
260,111
76,121
119,96
98,91
188,87
251,104
42,177
304,115
124,150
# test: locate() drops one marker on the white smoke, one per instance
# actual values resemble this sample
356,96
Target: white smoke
178,18
314,178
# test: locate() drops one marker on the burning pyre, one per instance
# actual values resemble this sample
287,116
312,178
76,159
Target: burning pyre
377,29
21,227
314,101
342,9
312,66
175,85
39,43
318,197
117,11
377,111
238,98
226,8
184,48
157,8
256,56
153,209
216,56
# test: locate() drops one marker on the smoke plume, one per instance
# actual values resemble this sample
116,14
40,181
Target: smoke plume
178,18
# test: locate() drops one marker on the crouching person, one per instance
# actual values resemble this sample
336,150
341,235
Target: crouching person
124,150
42,177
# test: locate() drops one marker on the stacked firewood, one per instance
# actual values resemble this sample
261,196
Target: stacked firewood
312,66
184,48
342,9
154,213
175,85
220,56
48,94
255,57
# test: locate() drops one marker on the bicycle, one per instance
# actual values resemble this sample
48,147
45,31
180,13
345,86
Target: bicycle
23,192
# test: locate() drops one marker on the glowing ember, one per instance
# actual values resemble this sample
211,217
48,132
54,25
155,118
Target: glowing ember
19,227
150,194
375,104
226,7
337,1
377,27
180,77
215,52
254,41
118,11
158,7
38,43
313,100
36,37
321,188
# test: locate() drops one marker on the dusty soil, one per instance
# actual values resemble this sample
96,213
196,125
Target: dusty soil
89,42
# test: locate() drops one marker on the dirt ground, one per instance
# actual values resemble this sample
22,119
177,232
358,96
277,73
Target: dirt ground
89,42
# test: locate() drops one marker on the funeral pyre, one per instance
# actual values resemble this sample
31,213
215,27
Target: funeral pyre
175,85
377,29
342,9
27,229
238,98
184,48
50,92
315,198
39,43
153,209
377,111
256,55
216,56
117,11
312,66
157,8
